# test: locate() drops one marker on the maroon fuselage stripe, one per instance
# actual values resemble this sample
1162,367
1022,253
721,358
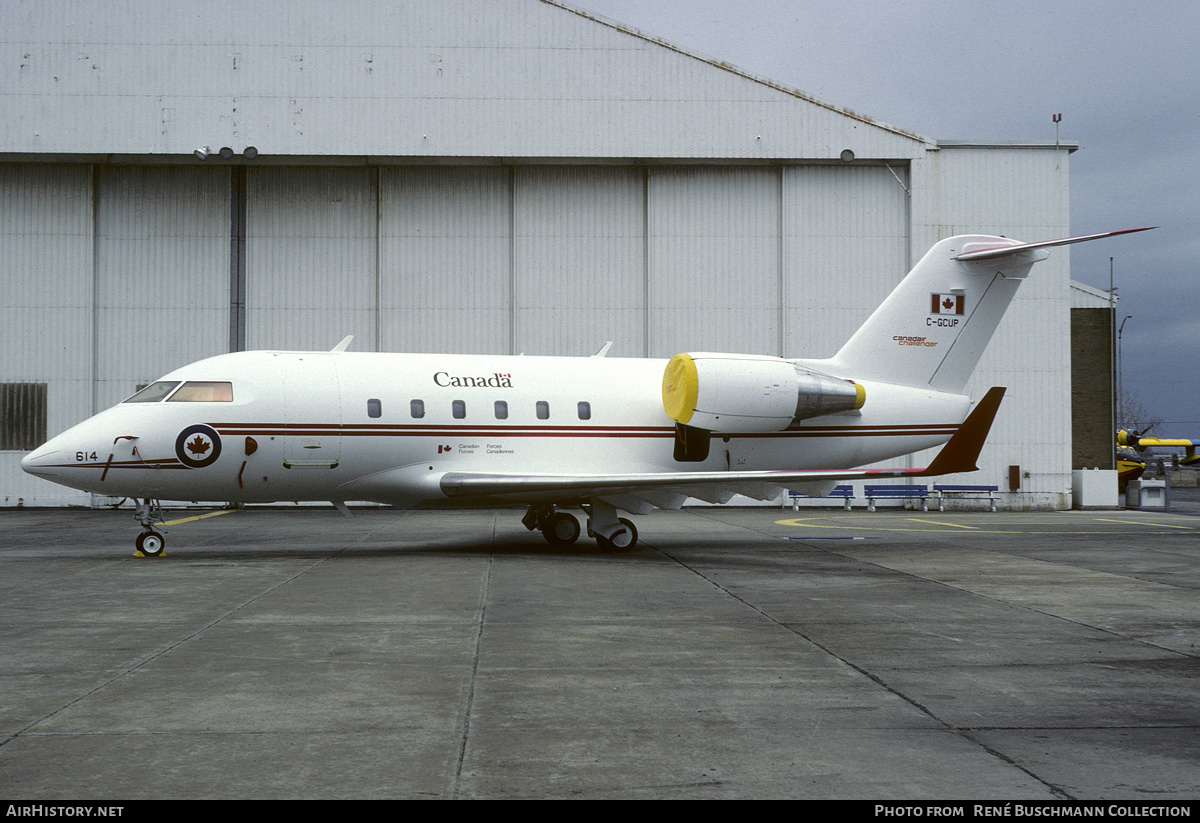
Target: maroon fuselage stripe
350,430
599,432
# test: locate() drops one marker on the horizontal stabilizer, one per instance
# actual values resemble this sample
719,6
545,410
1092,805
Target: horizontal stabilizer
975,251
962,452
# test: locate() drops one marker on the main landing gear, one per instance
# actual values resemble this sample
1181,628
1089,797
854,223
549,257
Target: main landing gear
149,543
559,528
612,533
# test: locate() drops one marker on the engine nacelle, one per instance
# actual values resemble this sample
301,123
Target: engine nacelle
750,393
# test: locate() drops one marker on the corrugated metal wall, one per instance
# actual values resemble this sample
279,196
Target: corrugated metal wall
579,260
161,273
557,260
310,257
846,246
714,252
445,261
455,78
46,265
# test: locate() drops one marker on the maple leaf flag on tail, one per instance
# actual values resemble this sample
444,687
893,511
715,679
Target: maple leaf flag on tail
948,304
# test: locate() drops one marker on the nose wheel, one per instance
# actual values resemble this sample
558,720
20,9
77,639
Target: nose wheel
149,543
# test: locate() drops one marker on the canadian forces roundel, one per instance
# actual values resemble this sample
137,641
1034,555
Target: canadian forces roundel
198,446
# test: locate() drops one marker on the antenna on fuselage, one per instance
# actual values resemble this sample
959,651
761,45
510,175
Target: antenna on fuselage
345,344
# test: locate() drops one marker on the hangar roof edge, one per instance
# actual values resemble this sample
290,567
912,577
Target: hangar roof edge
1071,147
729,67
383,160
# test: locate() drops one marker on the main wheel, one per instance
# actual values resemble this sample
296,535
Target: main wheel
151,543
622,541
561,530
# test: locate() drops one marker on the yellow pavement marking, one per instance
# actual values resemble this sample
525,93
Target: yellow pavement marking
198,517
1142,525
861,523
939,523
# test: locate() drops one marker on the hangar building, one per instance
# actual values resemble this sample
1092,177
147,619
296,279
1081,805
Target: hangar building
182,180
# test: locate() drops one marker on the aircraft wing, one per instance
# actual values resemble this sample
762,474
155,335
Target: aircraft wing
1144,442
638,492
1140,443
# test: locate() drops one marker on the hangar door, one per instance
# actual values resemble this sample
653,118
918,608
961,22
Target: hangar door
560,259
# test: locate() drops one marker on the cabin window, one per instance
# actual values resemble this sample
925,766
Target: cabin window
374,408
22,416
416,408
543,410
459,409
203,391
585,410
501,409
154,392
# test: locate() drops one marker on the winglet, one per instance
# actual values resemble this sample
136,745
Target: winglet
962,450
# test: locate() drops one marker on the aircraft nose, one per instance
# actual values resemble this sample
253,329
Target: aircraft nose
45,461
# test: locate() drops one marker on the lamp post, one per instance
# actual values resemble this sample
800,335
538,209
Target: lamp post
1121,421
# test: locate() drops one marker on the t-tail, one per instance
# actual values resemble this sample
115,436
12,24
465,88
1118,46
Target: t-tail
932,330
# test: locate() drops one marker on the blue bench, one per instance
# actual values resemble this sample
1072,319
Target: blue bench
874,493
966,492
845,492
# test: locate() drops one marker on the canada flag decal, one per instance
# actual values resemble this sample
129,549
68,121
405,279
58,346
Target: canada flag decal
947,304
198,446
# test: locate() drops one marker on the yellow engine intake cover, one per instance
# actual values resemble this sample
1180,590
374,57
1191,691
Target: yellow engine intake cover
680,388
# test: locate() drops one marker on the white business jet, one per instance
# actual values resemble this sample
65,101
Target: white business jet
600,434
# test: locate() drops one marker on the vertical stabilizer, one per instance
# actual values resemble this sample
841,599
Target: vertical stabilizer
932,330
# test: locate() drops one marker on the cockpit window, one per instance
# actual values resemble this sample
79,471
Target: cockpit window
203,391
154,392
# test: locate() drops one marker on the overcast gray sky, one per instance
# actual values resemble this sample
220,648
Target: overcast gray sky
1123,75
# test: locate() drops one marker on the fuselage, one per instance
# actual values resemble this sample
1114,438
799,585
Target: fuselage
346,426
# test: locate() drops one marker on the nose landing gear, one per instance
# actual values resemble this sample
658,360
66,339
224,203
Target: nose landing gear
149,543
